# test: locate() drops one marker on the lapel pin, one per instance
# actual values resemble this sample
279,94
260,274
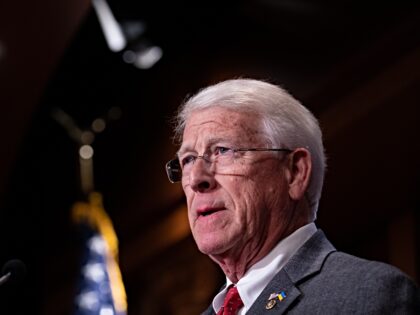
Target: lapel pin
272,300
281,296
270,304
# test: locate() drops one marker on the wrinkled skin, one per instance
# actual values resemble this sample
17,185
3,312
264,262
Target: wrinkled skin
237,217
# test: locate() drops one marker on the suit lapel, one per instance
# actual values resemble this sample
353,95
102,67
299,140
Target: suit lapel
307,262
280,283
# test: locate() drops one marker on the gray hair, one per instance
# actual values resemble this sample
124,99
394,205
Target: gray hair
285,120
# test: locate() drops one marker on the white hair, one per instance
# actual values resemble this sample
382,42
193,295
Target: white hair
286,121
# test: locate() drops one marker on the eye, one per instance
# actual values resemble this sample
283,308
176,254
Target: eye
222,151
188,159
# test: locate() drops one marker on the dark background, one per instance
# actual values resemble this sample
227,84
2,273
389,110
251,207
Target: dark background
355,64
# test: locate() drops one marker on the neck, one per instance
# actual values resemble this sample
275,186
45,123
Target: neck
236,263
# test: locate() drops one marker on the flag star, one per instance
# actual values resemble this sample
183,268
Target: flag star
94,272
97,244
106,310
88,300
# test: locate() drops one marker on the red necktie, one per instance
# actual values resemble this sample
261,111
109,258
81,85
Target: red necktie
232,302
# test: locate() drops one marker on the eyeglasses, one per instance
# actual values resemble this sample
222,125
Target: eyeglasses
221,157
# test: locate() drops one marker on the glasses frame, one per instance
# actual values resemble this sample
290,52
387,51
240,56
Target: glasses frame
173,166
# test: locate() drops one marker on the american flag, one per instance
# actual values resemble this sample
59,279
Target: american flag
100,289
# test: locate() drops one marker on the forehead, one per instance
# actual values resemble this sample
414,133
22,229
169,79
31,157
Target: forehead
224,124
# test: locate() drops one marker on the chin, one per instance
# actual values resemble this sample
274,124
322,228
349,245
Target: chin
211,248
207,249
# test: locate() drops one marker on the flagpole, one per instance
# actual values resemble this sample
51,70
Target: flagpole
84,140
101,243
86,168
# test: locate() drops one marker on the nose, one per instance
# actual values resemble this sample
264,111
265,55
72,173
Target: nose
201,177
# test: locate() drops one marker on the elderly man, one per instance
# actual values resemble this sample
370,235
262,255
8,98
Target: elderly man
252,163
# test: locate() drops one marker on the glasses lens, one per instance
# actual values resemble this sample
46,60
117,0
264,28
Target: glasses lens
173,170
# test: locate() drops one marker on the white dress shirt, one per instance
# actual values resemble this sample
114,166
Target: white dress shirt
260,274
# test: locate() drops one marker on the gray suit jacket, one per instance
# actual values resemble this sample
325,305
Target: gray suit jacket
320,280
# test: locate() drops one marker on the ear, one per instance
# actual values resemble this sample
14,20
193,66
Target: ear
299,173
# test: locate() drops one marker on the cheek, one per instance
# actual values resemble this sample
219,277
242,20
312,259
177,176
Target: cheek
255,199
189,196
247,201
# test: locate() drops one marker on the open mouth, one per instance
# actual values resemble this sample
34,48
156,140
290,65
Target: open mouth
209,211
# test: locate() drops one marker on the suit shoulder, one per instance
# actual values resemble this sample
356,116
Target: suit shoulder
343,262
352,285
368,276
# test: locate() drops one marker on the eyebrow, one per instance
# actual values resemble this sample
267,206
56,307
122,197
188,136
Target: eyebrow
210,142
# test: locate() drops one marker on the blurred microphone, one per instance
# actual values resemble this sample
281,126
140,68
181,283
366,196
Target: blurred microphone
13,271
